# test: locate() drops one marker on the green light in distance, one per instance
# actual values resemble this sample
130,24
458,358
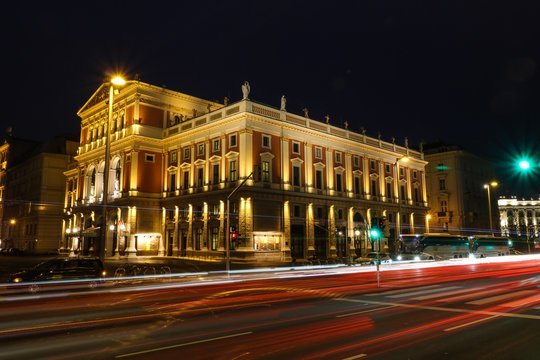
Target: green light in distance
524,165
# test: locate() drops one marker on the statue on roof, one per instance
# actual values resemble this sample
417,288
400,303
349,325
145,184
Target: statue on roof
327,117
245,90
283,102
306,112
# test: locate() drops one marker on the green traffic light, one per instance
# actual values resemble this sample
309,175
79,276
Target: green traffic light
374,233
524,165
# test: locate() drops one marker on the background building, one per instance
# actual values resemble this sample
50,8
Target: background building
520,220
32,191
457,198
174,160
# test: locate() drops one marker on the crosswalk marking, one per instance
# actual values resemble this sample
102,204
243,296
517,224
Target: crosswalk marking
421,292
472,322
403,290
432,296
523,302
500,297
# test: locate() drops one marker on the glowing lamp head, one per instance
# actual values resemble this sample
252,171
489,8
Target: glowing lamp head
17,280
374,233
118,81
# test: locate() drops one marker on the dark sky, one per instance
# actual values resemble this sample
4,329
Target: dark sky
465,72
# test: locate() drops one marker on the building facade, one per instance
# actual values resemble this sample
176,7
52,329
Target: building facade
175,160
457,198
32,189
519,218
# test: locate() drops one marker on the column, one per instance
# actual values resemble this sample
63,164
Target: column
332,232
310,231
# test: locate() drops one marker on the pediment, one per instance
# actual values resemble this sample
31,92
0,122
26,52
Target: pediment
101,94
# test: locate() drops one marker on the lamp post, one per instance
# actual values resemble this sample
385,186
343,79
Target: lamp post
403,158
488,186
427,222
116,81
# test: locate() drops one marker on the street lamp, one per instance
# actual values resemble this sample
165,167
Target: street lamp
403,158
488,186
115,82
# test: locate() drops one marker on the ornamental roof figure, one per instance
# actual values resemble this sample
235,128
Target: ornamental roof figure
245,90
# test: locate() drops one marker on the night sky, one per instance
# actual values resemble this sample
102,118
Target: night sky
463,72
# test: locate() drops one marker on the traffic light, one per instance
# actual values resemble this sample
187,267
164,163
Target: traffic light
375,233
234,234
524,164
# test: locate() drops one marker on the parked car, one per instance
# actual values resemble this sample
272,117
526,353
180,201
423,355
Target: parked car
90,269
371,258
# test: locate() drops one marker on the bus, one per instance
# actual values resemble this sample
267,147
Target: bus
408,246
444,246
484,246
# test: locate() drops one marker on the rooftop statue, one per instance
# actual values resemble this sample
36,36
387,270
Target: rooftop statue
283,102
245,90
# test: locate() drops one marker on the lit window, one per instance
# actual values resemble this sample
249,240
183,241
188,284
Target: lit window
266,171
201,149
232,171
173,156
318,153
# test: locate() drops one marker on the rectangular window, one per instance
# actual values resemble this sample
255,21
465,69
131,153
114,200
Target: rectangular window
149,157
372,164
416,195
216,145
172,185
388,190
200,175
338,183
214,238
356,160
198,239
232,140
201,149
374,187
318,153
265,171
403,192
173,156
215,174
444,206
415,174
401,172
357,185
186,180
232,171
318,179
442,184
296,176
387,168
266,141
338,157
296,147
186,153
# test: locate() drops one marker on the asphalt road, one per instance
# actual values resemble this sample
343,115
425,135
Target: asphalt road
443,311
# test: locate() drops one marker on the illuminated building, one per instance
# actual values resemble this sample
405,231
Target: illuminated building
175,158
455,190
519,218
32,190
